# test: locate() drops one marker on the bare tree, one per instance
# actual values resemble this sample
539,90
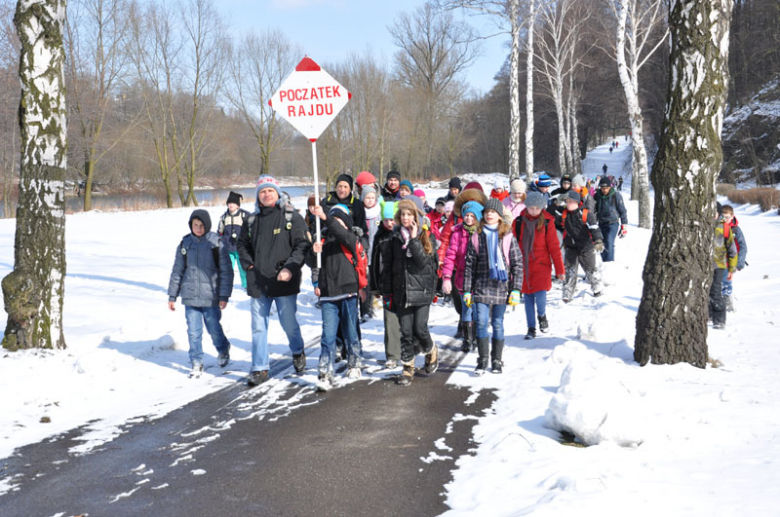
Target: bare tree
9,102
259,64
638,37
34,291
533,11
671,324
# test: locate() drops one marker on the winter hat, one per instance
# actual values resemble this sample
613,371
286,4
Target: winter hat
449,206
579,181
267,181
367,189
413,204
389,209
418,202
202,216
494,204
472,207
605,182
499,183
441,201
455,183
544,181
394,174
365,178
407,184
536,199
518,187
573,195
234,197
419,193
340,211
468,194
474,185
347,178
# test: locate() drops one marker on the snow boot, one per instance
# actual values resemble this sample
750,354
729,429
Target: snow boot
405,379
224,358
729,303
299,362
432,360
531,333
483,347
469,334
197,370
543,325
257,378
459,331
496,353
324,382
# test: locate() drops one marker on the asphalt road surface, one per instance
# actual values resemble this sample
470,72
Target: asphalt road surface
367,448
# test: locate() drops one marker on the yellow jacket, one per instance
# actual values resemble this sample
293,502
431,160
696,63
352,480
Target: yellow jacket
725,247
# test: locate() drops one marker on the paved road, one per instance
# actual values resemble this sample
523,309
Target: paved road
280,449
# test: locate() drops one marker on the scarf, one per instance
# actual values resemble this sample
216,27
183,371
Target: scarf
373,212
470,229
529,233
497,267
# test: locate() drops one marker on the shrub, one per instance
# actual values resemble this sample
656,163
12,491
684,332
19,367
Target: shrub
767,198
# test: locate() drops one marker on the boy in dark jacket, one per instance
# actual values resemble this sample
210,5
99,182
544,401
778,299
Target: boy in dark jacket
337,286
612,216
581,240
229,230
382,240
741,243
203,275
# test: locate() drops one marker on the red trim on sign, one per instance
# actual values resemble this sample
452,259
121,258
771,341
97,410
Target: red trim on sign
307,64
313,139
350,96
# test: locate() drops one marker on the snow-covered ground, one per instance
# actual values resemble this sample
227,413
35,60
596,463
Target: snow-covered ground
671,439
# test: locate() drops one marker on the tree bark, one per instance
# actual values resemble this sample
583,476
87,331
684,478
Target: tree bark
514,93
33,293
529,94
673,313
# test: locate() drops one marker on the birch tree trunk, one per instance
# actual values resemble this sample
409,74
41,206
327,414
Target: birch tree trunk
33,292
672,318
514,92
529,93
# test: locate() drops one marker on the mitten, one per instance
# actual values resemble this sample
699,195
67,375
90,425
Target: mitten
387,302
599,245
514,298
467,299
623,231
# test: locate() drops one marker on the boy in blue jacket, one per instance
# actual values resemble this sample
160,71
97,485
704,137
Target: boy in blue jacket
739,239
203,275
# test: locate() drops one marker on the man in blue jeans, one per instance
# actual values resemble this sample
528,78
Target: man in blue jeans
612,216
272,248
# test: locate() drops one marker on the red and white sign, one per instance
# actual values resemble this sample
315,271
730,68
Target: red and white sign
309,99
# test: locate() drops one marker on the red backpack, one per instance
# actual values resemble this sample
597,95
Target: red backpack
361,264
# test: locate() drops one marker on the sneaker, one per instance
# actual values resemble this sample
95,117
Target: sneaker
196,371
223,358
257,378
530,334
432,360
497,366
324,382
481,366
390,364
544,326
354,373
299,362
364,319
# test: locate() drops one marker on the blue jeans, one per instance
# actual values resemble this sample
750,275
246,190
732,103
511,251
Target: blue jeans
609,231
728,286
286,306
195,317
496,315
340,314
537,299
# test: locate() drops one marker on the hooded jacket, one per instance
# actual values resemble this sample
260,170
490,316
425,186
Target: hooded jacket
579,234
546,252
200,280
356,210
377,264
410,280
337,276
610,207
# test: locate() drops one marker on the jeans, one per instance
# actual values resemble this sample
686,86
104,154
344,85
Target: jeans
727,288
465,313
414,326
496,314
609,231
341,314
237,264
261,309
717,302
537,299
196,317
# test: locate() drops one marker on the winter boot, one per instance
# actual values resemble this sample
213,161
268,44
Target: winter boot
324,382
531,333
469,334
729,303
483,347
405,379
459,332
497,352
196,371
257,378
432,359
543,325
299,362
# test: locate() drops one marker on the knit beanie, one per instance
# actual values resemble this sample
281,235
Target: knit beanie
266,181
394,174
389,209
455,182
419,193
518,187
449,206
407,184
365,178
544,181
605,182
340,211
347,178
475,185
536,199
573,195
234,197
472,207
566,177
367,189
441,201
579,181
495,204
418,202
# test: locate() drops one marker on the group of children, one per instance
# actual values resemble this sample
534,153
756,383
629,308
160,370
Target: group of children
485,252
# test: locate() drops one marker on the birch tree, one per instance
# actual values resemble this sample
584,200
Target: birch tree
529,89
638,37
671,324
34,291
9,102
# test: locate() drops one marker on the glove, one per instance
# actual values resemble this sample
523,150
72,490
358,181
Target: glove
623,231
387,302
599,245
467,299
446,286
514,298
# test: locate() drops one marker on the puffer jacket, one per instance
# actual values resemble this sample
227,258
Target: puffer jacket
725,248
195,276
377,265
411,281
610,207
516,207
337,276
356,210
455,261
476,276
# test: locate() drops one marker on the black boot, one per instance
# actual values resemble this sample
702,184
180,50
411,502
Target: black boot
469,334
531,333
483,347
459,332
543,325
497,352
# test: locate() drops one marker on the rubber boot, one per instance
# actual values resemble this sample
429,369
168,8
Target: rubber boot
498,350
459,331
483,347
469,334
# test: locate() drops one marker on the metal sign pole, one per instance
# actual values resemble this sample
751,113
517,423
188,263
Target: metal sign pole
316,195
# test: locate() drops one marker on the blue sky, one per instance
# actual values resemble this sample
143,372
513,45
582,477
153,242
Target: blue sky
328,30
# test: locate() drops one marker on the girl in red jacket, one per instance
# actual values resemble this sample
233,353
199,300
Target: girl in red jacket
535,232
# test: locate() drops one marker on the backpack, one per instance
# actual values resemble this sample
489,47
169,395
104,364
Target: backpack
361,264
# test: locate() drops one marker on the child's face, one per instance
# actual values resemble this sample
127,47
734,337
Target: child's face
198,229
534,211
404,191
454,191
407,218
440,209
389,223
517,196
571,205
232,207
470,219
728,216
490,216
370,200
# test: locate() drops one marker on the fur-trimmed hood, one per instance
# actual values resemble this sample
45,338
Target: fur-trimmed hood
466,196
